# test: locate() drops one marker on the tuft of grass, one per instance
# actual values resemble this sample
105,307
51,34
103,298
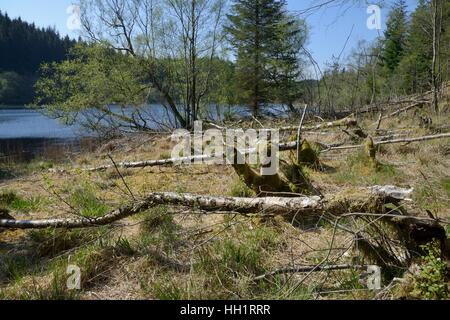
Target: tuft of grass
357,171
13,268
227,266
168,290
240,189
123,247
164,155
446,186
13,201
52,242
225,269
86,202
434,196
158,229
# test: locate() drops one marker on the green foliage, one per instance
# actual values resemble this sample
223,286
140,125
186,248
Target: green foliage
92,77
431,283
267,41
15,89
395,36
397,64
23,47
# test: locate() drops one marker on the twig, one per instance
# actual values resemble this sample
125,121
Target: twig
121,176
304,269
299,133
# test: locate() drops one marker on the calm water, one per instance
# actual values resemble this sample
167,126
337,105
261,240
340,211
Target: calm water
27,134
25,123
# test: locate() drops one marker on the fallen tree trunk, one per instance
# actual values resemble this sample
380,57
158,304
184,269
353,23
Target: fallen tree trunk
282,147
358,200
308,269
412,106
404,140
346,122
400,111
152,163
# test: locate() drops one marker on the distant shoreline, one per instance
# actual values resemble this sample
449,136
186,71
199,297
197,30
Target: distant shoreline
7,107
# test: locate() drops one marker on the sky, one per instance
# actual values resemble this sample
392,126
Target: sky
333,29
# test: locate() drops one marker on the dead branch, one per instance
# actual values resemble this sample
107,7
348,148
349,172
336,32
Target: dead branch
395,141
346,122
153,163
305,269
282,147
362,200
416,104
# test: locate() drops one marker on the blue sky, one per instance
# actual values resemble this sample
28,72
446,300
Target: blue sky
329,27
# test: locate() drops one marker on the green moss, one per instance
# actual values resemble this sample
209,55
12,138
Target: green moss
308,156
371,152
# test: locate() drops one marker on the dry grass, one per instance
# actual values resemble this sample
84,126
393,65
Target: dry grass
158,255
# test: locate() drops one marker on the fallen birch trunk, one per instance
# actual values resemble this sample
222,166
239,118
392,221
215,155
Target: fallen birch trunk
346,122
361,200
412,106
152,163
282,147
404,140
308,269
399,111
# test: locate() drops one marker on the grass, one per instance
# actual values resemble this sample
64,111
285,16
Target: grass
225,268
446,186
50,242
240,189
94,261
434,195
224,253
14,267
158,230
86,202
357,171
13,201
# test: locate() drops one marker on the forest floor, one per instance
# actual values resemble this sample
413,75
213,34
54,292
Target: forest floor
169,253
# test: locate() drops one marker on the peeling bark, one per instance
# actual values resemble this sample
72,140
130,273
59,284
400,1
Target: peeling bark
353,200
346,122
